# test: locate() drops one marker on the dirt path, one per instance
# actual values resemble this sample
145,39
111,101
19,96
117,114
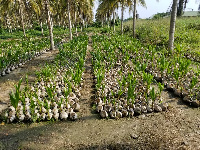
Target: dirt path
7,82
87,91
176,128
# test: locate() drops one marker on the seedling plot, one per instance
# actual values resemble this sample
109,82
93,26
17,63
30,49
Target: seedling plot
16,53
175,72
123,88
55,94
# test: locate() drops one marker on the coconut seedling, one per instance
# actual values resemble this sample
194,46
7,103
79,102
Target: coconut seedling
152,95
121,90
153,52
161,87
100,76
193,83
183,67
163,65
176,75
131,82
14,97
51,92
147,79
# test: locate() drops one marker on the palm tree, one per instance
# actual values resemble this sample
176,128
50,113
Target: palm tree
69,20
107,8
142,2
50,23
180,7
124,3
21,7
172,26
85,11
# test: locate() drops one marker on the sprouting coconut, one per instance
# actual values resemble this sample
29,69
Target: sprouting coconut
113,114
55,110
68,106
76,107
43,93
119,114
12,68
27,115
44,110
99,108
43,116
8,70
63,115
107,108
11,118
71,102
124,113
157,108
137,110
59,91
104,114
99,101
143,109
3,73
21,117
131,112
37,116
49,115
72,114
149,109
163,106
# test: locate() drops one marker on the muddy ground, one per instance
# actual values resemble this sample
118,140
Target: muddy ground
176,128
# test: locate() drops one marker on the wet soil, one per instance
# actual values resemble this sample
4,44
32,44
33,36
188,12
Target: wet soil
176,128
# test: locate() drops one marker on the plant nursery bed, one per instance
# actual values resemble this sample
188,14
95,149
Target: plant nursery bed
177,127
7,82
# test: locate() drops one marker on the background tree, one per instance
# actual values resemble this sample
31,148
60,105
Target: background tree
142,2
172,26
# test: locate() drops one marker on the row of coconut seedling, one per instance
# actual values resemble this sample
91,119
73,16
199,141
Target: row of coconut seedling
123,89
55,94
178,74
16,53
194,56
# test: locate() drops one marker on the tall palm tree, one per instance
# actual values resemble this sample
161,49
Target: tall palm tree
107,8
124,3
180,7
69,19
19,7
172,26
142,2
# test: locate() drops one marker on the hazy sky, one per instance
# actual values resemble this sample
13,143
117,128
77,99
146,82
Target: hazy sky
154,7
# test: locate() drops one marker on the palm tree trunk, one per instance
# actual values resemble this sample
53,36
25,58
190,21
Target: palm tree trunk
42,31
180,8
108,20
102,21
122,17
134,18
69,20
75,23
50,26
22,18
114,21
172,26
83,24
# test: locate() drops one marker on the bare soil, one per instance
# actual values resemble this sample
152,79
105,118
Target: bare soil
176,128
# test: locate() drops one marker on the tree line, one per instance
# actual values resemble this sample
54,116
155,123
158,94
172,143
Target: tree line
23,13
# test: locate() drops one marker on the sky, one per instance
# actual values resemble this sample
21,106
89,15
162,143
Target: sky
153,7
